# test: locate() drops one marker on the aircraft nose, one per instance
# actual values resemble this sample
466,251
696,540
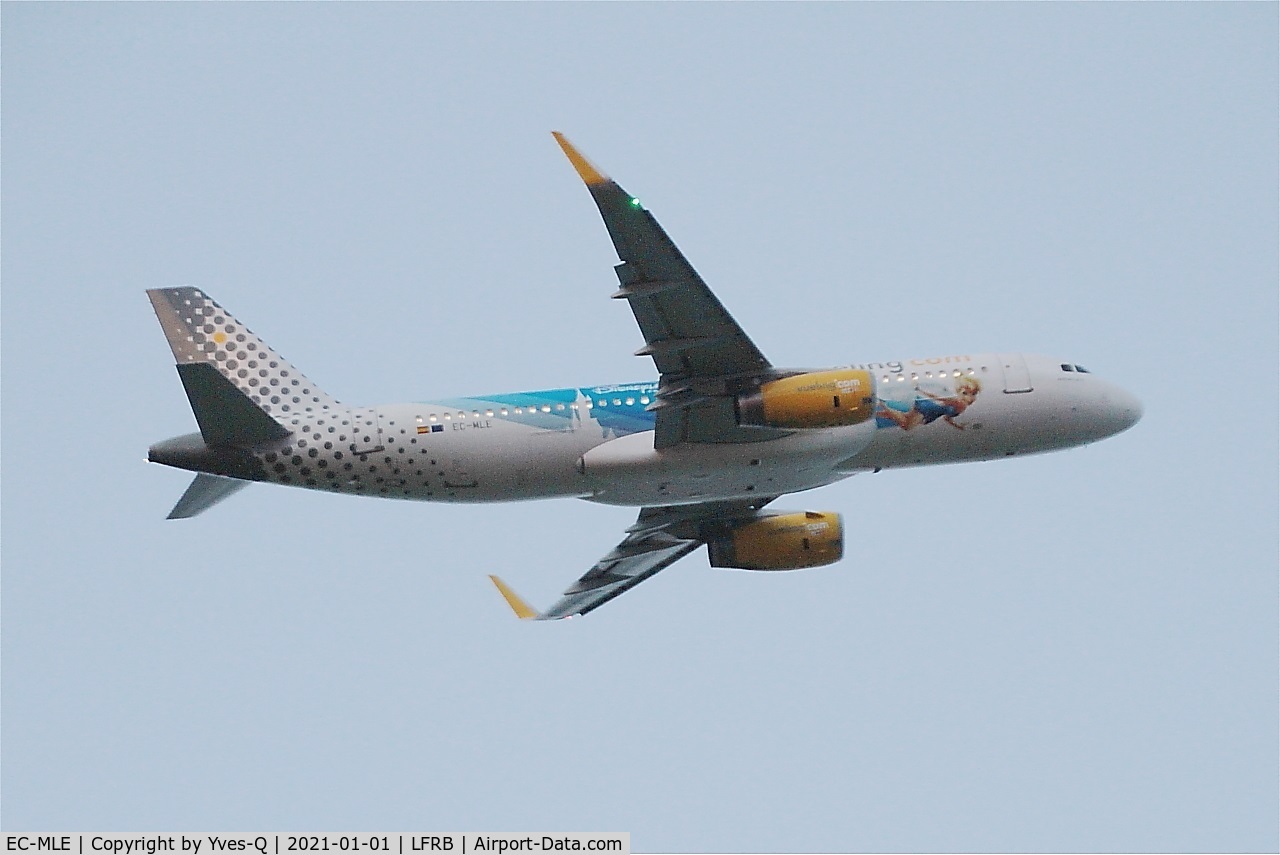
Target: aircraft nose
1123,410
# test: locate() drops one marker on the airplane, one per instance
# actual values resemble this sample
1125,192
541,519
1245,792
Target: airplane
702,450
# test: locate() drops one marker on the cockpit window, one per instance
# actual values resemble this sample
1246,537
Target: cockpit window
1066,367
1082,369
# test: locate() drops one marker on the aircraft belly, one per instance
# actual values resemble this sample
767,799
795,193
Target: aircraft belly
629,471
688,489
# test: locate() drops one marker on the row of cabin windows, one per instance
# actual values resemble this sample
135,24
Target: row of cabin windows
545,408
928,375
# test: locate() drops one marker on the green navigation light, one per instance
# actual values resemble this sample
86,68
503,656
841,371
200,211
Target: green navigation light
635,203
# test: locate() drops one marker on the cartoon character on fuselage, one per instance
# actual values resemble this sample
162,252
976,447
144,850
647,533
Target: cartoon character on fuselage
928,407
702,451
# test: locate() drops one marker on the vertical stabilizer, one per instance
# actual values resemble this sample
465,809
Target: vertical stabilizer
201,331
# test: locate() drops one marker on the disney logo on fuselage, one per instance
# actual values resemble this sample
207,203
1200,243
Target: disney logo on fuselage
628,387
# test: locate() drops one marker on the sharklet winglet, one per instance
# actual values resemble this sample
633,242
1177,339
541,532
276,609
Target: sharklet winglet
586,171
522,609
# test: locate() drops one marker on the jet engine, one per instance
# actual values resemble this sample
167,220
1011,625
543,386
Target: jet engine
817,399
780,541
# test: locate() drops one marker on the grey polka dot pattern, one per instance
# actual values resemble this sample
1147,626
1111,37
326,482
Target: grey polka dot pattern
327,451
371,451
199,330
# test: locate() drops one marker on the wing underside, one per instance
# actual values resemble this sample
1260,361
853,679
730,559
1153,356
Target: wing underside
703,355
660,537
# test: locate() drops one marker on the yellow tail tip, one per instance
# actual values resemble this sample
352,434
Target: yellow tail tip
519,606
586,171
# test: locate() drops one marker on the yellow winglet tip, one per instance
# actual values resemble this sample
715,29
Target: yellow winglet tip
519,606
586,171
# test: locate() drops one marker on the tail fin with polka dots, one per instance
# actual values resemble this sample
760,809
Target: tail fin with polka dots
240,389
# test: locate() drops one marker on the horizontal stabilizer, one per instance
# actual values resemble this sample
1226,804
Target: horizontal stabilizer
205,492
227,416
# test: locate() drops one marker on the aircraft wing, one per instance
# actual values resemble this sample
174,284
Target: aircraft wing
660,537
702,354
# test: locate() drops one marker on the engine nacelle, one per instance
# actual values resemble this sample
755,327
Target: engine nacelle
783,541
818,399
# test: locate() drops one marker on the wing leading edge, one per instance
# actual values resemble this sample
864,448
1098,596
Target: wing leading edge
660,537
703,355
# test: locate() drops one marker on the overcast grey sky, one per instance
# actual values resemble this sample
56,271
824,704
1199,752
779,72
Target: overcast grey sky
1070,652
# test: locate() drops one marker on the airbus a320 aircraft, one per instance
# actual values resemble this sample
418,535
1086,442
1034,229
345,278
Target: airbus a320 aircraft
701,451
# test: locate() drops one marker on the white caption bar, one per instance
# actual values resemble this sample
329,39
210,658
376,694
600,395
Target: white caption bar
288,844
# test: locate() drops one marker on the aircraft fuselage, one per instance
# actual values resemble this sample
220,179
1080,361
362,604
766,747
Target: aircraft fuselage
596,443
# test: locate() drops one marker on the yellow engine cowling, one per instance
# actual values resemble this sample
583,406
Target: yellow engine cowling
819,399
785,541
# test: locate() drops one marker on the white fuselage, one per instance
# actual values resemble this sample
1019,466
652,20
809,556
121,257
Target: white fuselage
596,443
